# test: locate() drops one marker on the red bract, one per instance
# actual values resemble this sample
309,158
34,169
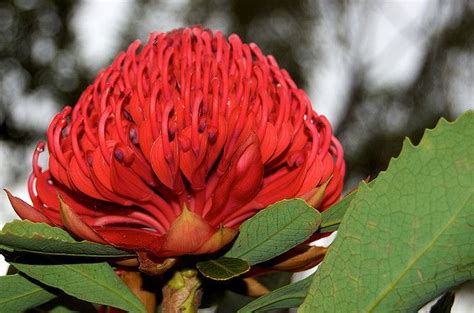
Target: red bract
178,142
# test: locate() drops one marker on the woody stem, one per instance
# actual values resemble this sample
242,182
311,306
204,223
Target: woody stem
182,293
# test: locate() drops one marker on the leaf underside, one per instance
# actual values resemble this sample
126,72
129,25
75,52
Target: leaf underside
19,293
91,282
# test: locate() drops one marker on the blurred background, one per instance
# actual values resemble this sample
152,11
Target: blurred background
379,70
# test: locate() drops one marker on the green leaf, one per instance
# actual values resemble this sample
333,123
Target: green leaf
65,304
408,237
223,268
44,239
274,231
19,293
289,296
92,282
232,301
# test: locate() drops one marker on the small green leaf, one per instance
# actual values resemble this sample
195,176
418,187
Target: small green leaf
332,217
289,296
274,231
92,282
19,293
41,238
223,268
409,236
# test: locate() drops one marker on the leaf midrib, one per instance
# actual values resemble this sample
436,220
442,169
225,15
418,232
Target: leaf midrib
234,273
103,285
71,244
24,295
391,287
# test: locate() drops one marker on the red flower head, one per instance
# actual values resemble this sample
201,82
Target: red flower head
178,142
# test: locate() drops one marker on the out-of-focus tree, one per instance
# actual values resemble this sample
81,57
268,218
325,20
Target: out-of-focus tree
375,120
37,63
38,59
281,28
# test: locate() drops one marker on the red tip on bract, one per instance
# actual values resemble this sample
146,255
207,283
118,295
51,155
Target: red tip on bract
191,234
177,143
26,211
75,225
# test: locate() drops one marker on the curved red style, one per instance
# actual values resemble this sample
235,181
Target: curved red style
177,143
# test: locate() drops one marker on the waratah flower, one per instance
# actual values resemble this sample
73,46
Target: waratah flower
177,143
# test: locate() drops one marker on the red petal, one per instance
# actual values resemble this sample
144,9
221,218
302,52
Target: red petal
312,176
240,183
145,138
135,109
187,234
81,181
285,134
63,172
160,165
101,169
192,166
127,183
141,166
54,166
333,191
248,172
107,193
283,185
47,193
74,224
215,149
269,142
328,167
26,211
131,238
235,139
